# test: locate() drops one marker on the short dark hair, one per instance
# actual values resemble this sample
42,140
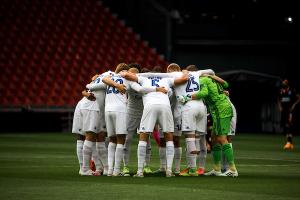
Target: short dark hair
135,65
157,69
192,68
145,70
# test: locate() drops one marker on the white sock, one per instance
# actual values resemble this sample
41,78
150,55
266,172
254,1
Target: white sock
162,157
127,144
118,158
203,151
102,153
191,146
79,150
87,154
111,156
141,155
96,159
169,154
148,154
177,158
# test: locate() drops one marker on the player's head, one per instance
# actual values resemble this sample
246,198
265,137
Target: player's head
135,65
285,84
191,68
145,70
121,67
173,67
134,70
157,69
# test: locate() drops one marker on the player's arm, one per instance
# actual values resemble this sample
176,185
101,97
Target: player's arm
296,102
108,81
96,86
161,75
207,72
137,87
129,76
181,80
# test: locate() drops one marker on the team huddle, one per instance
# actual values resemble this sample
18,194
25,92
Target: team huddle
116,105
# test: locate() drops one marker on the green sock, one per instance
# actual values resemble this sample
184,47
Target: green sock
228,152
217,153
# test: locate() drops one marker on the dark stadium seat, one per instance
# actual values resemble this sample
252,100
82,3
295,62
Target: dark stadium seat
55,46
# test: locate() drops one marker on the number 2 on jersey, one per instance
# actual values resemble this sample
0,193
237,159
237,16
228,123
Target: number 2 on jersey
114,90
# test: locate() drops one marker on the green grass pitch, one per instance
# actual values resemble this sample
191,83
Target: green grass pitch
44,166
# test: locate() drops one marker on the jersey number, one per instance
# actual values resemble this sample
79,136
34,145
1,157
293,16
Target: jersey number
111,89
192,85
154,82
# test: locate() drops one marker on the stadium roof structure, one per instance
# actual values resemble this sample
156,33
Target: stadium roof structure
246,75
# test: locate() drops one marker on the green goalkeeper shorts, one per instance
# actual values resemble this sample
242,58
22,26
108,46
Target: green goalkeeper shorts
221,126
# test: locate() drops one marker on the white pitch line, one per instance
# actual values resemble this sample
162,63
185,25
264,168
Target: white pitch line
273,159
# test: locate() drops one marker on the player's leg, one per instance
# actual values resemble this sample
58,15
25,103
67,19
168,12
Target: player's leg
132,126
141,153
188,129
147,124
79,150
90,139
111,133
147,168
165,119
90,127
121,130
102,151
77,129
201,145
226,147
177,145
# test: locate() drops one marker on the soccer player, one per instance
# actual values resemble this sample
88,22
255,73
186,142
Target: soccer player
99,89
221,110
288,100
116,114
157,109
134,114
193,116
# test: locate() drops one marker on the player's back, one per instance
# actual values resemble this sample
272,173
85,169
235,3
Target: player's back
114,100
156,97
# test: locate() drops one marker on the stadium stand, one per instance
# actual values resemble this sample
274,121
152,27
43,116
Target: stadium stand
50,49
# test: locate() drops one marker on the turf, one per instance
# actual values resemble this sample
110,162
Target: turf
44,166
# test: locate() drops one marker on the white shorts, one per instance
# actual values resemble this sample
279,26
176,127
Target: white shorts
90,121
115,123
195,118
77,121
160,114
233,121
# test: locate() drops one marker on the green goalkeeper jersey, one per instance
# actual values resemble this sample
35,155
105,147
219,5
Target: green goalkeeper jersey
212,92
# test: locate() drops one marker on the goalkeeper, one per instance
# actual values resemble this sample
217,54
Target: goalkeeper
212,92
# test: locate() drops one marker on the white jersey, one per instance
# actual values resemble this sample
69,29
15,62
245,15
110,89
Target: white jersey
153,98
99,89
114,100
